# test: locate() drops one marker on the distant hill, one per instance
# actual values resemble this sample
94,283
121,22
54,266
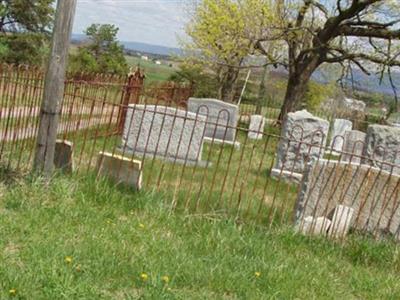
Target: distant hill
137,46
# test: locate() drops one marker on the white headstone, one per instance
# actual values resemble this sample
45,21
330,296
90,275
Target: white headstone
340,126
256,128
164,132
313,226
222,117
353,146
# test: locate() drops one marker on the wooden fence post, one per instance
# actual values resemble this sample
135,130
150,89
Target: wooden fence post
54,88
133,89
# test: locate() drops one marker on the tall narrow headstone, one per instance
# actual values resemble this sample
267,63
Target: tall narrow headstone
353,146
340,126
256,128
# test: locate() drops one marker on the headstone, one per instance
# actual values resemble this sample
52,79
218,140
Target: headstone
341,221
222,117
303,140
354,105
63,156
256,128
314,226
121,169
373,194
164,132
353,146
340,126
382,147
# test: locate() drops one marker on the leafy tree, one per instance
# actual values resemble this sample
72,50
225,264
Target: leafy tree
352,33
222,35
102,53
24,30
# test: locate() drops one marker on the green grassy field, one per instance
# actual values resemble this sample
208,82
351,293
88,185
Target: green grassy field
153,72
82,238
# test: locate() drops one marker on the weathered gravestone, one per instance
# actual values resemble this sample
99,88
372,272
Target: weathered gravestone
222,117
353,146
256,128
340,126
341,221
164,132
303,140
63,156
313,226
120,169
372,194
382,147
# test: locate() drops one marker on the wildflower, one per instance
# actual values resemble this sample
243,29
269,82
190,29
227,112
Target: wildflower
165,279
257,274
12,292
144,276
68,259
78,268
141,225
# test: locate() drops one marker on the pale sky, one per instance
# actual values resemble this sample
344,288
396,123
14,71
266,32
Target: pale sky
157,22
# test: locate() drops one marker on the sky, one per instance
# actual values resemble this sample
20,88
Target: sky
158,22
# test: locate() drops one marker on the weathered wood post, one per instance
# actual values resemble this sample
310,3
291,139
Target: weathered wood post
54,87
133,90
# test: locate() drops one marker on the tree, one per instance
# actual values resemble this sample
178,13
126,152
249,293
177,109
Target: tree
353,33
24,28
223,35
102,53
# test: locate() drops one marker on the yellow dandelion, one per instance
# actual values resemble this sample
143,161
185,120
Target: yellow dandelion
165,279
144,276
68,259
141,225
257,274
12,292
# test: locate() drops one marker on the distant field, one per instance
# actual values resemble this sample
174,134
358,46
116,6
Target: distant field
153,72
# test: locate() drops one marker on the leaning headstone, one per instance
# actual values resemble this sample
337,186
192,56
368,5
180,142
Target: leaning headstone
222,117
382,147
373,194
303,140
120,169
313,226
340,126
256,128
63,156
164,132
341,221
353,146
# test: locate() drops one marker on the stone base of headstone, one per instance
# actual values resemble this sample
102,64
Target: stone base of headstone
287,176
219,142
63,156
120,169
313,226
188,162
341,221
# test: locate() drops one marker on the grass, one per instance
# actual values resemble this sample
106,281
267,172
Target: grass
82,238
153,71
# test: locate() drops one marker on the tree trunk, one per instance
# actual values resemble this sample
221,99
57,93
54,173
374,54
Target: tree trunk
297,85
228,85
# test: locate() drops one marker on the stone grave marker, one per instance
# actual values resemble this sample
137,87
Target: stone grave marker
121,169
63,156
256,128
354,141
164,132
371,193
303,140
382,147
340,126
222,117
